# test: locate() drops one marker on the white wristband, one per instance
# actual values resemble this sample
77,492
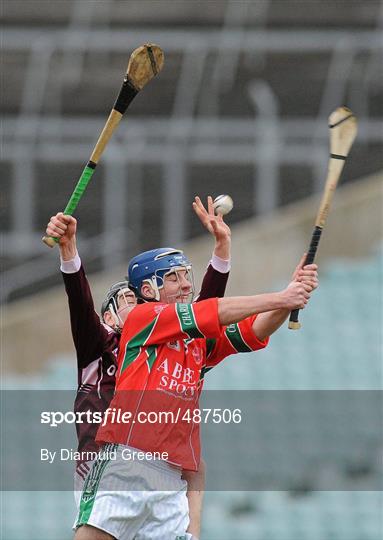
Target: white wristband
72,266
221,265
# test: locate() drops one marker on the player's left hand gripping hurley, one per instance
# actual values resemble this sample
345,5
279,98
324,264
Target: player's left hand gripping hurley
343,127
144,64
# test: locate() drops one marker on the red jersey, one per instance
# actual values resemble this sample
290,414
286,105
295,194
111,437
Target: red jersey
165,351
97,346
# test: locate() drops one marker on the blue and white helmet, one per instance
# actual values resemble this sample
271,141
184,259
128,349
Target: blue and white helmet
151,266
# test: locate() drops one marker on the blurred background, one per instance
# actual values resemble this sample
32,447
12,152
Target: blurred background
240,107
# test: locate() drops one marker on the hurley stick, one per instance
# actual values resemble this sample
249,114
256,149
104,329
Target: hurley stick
144,63
343,128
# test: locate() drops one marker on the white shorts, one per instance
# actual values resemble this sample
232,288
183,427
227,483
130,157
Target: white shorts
140,500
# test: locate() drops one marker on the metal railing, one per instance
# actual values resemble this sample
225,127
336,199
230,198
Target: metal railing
265,141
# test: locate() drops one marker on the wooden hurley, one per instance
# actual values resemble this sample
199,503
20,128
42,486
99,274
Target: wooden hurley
343,127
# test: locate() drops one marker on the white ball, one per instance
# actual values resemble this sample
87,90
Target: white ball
223,204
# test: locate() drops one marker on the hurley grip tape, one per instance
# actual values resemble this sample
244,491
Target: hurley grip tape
84,179
313,245
294,315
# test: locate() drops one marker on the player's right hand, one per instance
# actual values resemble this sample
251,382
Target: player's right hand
63,227
213,223
307,274
296,295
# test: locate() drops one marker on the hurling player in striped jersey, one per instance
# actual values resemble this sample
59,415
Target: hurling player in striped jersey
96,341
167,346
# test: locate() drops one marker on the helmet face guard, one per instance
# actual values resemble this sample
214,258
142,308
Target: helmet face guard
159,280
112,304
152,267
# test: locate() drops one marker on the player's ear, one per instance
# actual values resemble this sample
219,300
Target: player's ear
147,291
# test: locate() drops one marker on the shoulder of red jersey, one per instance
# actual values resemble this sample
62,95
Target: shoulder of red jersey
149,309
141,314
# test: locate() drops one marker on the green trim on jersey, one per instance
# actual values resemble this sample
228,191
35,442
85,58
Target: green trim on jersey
210,344
187,320
234,335
91,484
133,347
152,355
140,339
129,358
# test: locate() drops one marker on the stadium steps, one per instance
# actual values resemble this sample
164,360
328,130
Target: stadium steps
295,78
319,13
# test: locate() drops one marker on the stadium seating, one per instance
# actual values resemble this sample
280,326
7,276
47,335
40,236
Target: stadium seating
237,85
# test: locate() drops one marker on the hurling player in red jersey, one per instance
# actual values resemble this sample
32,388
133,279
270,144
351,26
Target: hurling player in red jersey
97,341
167,346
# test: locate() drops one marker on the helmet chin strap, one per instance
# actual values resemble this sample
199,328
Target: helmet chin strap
153,283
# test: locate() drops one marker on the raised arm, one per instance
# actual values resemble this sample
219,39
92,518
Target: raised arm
90,337
236,308
273,308
252,333
217,273
154,323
